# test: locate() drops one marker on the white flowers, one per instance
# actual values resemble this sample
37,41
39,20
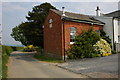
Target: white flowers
103,47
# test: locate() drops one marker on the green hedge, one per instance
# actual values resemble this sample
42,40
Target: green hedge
6,50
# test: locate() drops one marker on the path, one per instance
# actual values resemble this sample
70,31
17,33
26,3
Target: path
22,65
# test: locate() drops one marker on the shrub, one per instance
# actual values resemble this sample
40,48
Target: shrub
39,50
114,52
105,37
29,48
103,47
83,46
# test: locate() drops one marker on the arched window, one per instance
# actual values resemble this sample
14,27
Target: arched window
50,23
72,34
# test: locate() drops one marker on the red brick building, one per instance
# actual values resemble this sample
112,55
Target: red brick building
61,27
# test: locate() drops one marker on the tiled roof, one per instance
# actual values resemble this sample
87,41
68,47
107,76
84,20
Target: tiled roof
78,17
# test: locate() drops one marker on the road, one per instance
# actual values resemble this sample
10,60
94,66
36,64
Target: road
99,67
22,65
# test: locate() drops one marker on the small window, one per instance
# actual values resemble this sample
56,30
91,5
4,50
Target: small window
72,35
50,23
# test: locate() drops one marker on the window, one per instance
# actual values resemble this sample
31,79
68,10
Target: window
50,23
72,35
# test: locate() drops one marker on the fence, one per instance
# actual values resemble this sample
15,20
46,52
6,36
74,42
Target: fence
117,45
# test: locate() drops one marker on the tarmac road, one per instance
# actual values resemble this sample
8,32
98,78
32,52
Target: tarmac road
99,67
22,65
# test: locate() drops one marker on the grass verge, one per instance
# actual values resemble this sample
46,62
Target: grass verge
6,50
47,59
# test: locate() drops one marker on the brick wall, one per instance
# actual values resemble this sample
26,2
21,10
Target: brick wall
79,27
52,36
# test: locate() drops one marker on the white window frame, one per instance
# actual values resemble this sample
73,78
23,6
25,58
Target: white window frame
50,23
72,33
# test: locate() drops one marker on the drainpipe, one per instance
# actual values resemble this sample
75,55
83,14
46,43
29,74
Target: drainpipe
64,37
63,14
113,33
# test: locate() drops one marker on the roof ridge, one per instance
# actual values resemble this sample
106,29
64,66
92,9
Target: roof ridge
77,13
76,16
70,12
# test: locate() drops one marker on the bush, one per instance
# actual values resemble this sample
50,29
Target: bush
83,46
114,52
39,50
29,48
105,37
103,47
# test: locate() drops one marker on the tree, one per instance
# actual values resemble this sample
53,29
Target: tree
39,13
17,34
32,29
104,36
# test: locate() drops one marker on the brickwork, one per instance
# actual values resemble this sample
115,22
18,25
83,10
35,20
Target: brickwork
79,28
52,36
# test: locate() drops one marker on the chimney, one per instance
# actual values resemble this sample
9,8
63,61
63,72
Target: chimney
98,11
63,11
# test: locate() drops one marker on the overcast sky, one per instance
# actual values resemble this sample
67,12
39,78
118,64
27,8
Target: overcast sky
13,13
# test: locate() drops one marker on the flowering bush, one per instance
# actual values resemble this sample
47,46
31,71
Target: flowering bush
29,48
103,47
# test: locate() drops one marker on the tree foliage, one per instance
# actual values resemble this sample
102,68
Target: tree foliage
39,13
17,34
104,36
31,32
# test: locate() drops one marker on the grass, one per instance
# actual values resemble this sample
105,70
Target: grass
47,59
6,50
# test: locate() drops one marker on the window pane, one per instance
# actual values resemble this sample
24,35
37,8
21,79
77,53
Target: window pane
50,21
50,25
72,30
72,34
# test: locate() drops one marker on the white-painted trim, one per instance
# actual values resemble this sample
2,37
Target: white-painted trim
72,42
